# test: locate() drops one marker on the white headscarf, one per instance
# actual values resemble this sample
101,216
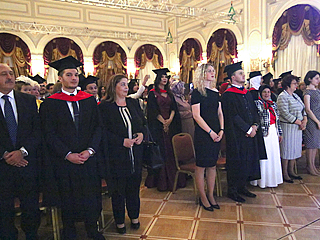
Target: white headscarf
255,82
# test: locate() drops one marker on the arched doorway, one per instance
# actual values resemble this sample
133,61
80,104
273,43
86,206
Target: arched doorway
109,59
296,40
190,56
221,50
56,49
147,58
15,52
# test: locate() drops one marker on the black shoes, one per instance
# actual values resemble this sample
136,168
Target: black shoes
295,177
288,181
122,230
98,236
216,206
210,209
135,226
236,197
246,193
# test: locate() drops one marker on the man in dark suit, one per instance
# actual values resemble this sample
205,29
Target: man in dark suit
19,148
72,133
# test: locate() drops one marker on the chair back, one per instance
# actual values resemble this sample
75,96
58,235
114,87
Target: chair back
183,149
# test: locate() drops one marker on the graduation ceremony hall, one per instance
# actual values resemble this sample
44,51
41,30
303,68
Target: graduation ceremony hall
160,119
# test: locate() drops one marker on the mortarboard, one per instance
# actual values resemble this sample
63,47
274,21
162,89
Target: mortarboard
83,81
38,79
255,74
282,75
267,77
65,63
161,71
230,69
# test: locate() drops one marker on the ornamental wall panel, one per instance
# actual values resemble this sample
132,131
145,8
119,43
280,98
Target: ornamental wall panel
60,13
106,18
15,8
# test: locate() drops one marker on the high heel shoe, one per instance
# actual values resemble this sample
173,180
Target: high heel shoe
204,207
215,206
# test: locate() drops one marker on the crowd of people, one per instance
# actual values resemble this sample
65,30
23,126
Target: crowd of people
62,140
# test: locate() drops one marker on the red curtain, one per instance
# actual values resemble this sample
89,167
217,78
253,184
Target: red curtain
109,59
16,49
300,19
147,52
221,50
190,56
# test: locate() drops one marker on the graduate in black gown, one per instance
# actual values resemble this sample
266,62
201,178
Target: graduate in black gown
72,133
241,125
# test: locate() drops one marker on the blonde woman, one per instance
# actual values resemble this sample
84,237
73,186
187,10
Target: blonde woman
207,113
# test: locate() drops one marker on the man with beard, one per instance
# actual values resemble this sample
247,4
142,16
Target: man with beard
72,133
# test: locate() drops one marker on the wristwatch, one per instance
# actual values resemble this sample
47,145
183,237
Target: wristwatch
23,152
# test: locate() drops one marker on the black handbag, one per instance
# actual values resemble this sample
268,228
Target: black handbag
152,158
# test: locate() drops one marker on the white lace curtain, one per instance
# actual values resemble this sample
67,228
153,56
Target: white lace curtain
298,57
147,70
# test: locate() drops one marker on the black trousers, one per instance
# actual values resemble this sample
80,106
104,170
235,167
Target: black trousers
126,196
26,189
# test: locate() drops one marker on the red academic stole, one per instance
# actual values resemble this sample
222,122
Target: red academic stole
237,90
62,96
161,90
252,89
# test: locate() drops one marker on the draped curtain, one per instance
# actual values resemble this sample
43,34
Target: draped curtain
300,20
190,56
56,49
109,59
221,49
15,53
145,55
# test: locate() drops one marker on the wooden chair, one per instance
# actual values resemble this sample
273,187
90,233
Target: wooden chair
184,155
221,165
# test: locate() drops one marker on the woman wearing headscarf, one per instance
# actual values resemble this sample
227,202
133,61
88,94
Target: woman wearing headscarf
184,108
270,168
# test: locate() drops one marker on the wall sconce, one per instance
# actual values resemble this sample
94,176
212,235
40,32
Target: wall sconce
265,62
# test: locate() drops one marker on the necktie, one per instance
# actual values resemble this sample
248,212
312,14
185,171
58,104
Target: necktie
75,112
10,119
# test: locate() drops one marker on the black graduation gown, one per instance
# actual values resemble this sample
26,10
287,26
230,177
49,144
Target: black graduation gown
242,152
76,188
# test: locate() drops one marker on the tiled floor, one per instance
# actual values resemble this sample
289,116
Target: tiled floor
271,215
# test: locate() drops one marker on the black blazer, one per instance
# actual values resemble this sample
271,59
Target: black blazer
115,130
28,136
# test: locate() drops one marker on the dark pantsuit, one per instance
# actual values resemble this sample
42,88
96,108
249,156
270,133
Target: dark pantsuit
127,196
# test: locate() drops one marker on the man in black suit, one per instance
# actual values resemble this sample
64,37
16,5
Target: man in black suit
72,133
19,148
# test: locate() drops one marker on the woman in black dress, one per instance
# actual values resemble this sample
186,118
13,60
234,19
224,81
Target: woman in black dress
207,113
123,123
